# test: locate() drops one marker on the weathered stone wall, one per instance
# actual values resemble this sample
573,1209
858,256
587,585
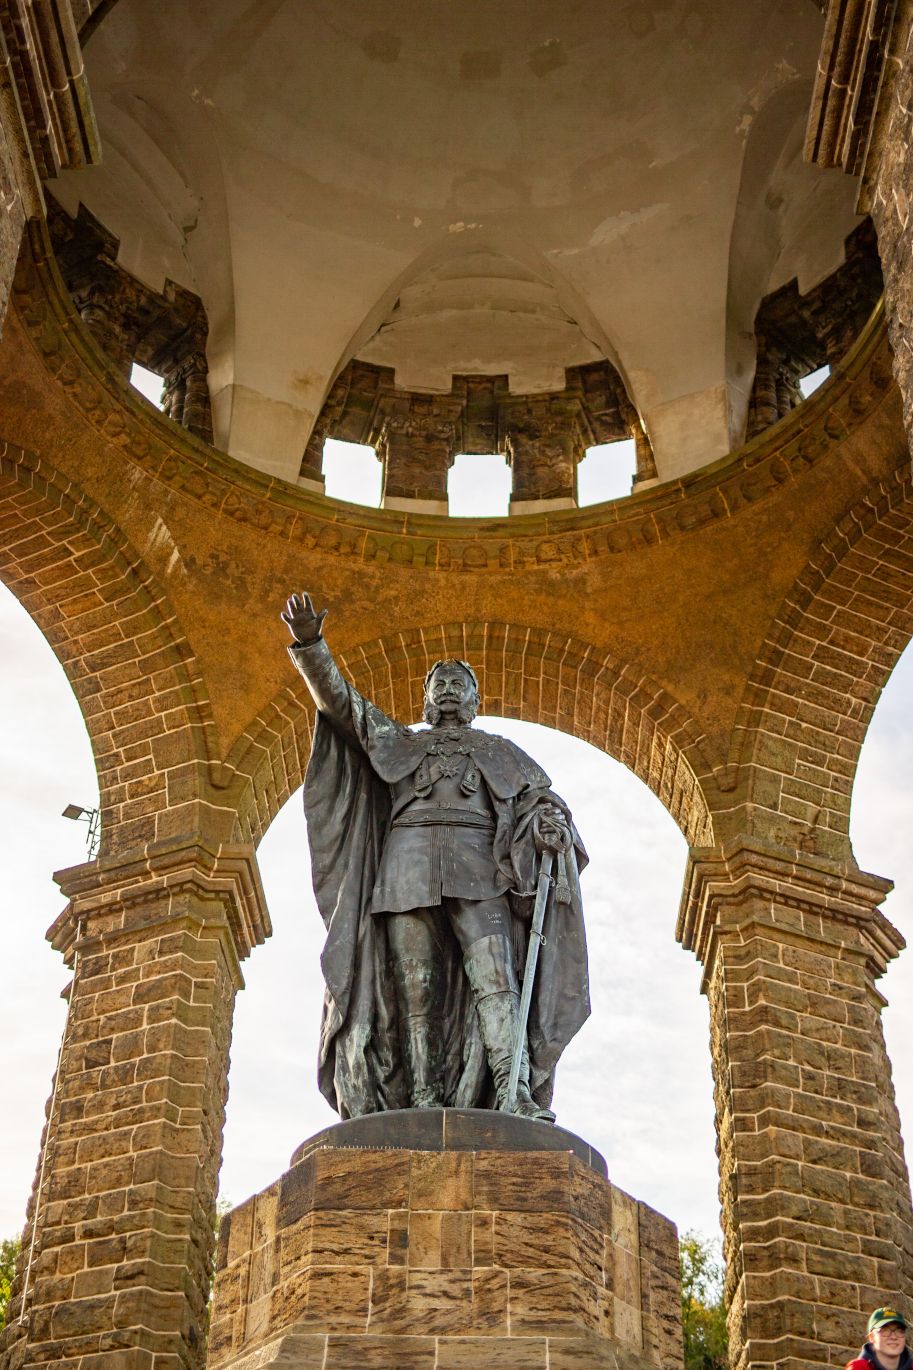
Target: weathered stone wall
12,209
46,117
892,209
423,1259
835,640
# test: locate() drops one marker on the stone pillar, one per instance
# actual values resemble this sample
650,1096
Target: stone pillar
117,1248
645,472
813,1184
185,393
764,405
544,438
100,311
417,445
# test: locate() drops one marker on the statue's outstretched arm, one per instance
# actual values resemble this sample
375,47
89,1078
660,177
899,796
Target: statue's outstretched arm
313,659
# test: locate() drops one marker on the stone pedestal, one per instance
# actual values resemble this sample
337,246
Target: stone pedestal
437,1239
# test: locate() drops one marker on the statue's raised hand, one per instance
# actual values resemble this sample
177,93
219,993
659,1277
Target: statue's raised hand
304,624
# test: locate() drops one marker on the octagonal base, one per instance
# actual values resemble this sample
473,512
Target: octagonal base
452,1238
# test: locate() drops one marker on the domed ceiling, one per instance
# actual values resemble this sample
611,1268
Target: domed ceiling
442,188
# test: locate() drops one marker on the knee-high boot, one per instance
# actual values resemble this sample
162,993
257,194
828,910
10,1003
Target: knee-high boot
490,971
415,980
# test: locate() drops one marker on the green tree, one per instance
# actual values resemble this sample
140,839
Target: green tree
703,1311
9,1254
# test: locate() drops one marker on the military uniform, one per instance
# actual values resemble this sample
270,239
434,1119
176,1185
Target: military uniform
446,855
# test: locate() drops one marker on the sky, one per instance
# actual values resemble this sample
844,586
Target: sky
636,1081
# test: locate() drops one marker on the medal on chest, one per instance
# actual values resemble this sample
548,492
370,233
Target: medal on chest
447,755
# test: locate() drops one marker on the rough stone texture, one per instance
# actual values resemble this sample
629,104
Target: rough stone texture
813,1183
122,1210
862,120
46,119
892,210
798,333
417,445
394,1258
418,435
164,331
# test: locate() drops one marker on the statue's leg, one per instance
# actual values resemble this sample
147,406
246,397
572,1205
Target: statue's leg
484,931
416,956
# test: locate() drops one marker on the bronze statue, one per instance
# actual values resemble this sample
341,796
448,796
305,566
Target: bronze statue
427,846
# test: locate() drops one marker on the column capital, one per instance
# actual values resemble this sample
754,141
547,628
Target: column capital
749,882
164,883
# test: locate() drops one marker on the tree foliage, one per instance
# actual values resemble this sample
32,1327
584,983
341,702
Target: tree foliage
9,1254
703,1311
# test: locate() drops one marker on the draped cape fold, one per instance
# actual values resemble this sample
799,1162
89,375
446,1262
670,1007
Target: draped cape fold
347,802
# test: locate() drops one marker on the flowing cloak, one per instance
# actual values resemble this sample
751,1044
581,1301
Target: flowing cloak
347,803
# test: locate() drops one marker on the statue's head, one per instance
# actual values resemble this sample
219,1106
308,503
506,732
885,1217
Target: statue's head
451,693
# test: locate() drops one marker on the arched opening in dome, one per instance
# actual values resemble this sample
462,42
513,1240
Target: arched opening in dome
352,473
615,1086
479,486
46,764
810,383
147,383
606,472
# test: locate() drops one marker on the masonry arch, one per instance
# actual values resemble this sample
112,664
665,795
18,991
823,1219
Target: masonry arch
535,674
115,635
828,654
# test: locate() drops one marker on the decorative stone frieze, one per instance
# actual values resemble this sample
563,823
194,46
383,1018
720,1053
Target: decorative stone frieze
119,1233
813,1184
566,538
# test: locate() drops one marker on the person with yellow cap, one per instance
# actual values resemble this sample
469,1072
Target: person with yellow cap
885,1345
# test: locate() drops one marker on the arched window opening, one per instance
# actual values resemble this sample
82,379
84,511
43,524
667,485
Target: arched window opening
809,384
614,1083
46,763
479,486
881,820
352,473
148,384
606,472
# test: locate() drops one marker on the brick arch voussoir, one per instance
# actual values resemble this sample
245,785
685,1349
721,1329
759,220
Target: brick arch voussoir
831,649
527,673
114,633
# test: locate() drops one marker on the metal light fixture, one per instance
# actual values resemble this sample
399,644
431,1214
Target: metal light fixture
90,816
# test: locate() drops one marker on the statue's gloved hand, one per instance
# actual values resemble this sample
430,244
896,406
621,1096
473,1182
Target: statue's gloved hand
551,830
302,620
